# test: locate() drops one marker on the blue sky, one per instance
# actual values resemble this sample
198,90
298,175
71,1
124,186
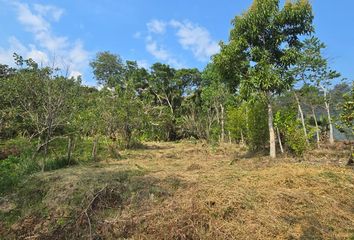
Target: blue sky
181,33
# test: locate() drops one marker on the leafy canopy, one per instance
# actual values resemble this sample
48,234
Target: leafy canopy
263,44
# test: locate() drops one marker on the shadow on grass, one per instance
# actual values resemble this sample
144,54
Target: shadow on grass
142,146
74,200
253,154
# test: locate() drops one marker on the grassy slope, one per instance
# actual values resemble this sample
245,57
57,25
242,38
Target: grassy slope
186,191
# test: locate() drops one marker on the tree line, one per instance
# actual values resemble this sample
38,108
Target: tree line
269,88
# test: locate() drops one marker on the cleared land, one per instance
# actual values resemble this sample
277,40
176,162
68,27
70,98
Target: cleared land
187,191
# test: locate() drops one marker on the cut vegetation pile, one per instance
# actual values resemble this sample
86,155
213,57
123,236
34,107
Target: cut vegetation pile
186,191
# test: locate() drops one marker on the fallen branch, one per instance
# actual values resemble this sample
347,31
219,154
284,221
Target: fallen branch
89,206
89,222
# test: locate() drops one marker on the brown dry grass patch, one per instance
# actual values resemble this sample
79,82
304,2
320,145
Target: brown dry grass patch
198,191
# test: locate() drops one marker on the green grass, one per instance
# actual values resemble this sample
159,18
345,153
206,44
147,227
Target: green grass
330,176
26,161
29,196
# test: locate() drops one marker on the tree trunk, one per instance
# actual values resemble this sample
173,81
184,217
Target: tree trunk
317,128
69,149
217,113
46,146
301,117
326,101
230,140
38,149
210,122
280,143
127,135
242,138
39,143
272,151
331,137
351,157
43,164
94,148
222,124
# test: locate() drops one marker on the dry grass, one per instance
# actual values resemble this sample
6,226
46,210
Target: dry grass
195,191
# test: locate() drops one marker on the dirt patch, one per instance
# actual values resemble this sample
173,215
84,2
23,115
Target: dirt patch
9,151
6,206
194,167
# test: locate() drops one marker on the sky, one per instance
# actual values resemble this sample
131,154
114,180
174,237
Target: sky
181,33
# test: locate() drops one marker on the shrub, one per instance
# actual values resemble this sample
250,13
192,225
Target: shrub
249,119
257,128
12,171
291,129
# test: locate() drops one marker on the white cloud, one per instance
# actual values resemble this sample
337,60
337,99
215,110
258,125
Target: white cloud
37,55
36,19
50,42
156,26
78,57
137,35
15,46
160,53
143,64
49,11
195,38
39,26
6,55
75,74
78,54
157,51
33,23
190,36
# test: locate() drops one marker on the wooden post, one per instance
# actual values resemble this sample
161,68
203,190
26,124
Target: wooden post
222,124
69,149
94,148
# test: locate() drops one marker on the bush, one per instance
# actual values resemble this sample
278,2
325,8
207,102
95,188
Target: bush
257,128
236,121
12,171
290,127
295,140
251,120
15,162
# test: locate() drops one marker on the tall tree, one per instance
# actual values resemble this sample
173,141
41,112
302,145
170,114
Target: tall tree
262,46
313,98
7,112
313,67
164,88
347,118
301,113
169,87
108,69
44,102
214,95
